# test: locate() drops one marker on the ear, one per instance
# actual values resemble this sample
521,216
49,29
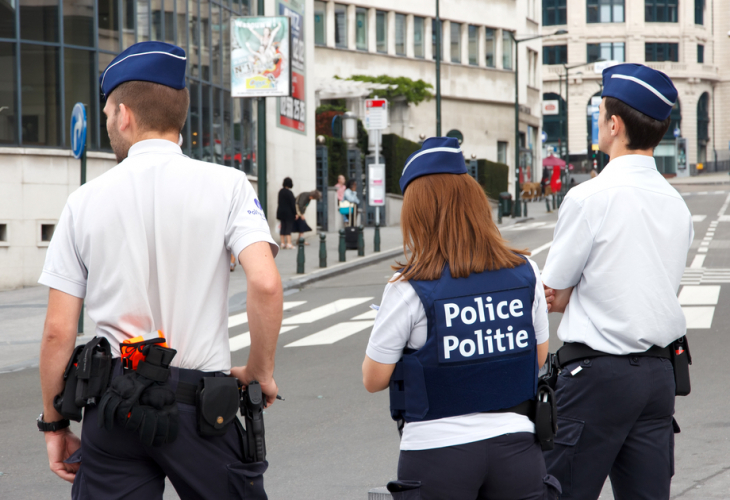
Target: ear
125,118
616,125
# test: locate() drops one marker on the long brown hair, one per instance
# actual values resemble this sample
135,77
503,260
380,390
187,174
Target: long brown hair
446,218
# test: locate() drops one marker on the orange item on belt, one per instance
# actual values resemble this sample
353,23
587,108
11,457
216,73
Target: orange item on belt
132,348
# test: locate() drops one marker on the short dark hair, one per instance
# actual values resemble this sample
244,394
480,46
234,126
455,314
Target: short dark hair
156,107
350,182
643,132
287,183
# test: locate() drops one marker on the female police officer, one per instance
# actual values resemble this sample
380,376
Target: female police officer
467,318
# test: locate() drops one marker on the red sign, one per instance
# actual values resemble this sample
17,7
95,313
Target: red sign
293,111
375,103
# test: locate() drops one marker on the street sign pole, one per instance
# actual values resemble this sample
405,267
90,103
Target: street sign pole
376,119
78,148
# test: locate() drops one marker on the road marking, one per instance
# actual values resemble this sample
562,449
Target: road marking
698,261
702,249
699,295
541,248
698,218
244,340
242,319
333,334
723,218
367,315
323,311
721,213
698,317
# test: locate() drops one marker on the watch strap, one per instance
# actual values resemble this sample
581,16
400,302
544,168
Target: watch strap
51,426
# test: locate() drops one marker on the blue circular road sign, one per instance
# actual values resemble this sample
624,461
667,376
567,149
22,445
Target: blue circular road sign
544,136
78,130
676,132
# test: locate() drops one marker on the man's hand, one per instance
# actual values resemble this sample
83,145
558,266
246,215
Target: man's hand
549,296
557,300
268,387
60,445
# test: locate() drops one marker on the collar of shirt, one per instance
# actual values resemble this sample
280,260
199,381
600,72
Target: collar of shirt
153,146
628,161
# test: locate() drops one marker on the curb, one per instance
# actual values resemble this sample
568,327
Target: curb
344,267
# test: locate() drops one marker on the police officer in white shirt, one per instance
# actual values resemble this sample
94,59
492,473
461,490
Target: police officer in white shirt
147,245
614,268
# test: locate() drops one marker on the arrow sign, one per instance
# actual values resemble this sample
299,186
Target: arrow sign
78,130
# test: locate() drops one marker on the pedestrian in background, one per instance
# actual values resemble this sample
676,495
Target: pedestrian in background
614,268
340,187
351,198
461,378
300,224
286,212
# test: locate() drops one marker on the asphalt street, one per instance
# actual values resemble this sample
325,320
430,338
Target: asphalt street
330,439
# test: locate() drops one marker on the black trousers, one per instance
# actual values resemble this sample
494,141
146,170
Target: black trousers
615,419
115,465
507,467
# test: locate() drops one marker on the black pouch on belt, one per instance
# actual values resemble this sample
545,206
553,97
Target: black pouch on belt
681,359
65,402
93,371
217,402
546,417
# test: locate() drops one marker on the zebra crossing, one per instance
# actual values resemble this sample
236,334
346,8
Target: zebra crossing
704,193
526,226
704,276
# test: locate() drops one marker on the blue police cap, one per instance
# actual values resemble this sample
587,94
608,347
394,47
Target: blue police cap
155,62
646,90
438,155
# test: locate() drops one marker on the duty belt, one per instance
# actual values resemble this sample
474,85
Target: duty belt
573,351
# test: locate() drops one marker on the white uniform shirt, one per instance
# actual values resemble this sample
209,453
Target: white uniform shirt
148,245
621,240
401,321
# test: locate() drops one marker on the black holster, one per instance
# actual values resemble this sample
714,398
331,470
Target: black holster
681,359
546,416
252,410
217,400
86,378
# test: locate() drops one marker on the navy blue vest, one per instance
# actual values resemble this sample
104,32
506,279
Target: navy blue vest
480,354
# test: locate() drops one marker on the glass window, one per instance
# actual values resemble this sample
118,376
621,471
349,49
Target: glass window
699,11
555,54
226,41
127,23
660,11
700,53
7,20
455,42
195,129
320,23
79,77
218,142
215,27
506,50
489,48
157,17
169,24
8,107
418,37
39,20
104,144
607,51
205,40
502,152
400,34
554,12
658,52
228,155
473,44
194,38
361,28
40,95
182,30
78,22
340,26
381,31
143,20
605,11
207,123
108,25
435,33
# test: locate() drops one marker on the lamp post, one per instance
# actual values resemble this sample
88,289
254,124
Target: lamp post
437,56
349,135
518,210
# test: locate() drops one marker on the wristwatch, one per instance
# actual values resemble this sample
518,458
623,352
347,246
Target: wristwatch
51,426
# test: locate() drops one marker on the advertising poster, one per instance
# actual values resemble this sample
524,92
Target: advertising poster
260,57
291,112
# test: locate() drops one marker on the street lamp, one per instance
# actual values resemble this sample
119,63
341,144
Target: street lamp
349,128
518,210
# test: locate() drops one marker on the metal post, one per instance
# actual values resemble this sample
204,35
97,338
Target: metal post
343,246
322,250
499,212
517,127
360,241
300,256
524,202
547,204
438,71
261,139
376,239
554,202
80,329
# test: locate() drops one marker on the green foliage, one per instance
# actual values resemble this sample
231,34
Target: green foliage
494,177
336,159
415,92
335,105
396,151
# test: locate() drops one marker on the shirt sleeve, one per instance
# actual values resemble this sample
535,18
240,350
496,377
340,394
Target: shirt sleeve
539,309
64,269
246,221
571,247
393,325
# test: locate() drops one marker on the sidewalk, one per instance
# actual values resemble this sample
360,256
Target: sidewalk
698,180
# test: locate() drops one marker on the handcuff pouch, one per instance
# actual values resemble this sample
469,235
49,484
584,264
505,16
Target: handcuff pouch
546,418
217,400
681,359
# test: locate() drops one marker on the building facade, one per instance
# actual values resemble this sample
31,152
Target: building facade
378,37
686,39
51,55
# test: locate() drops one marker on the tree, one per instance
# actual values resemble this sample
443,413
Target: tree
414,92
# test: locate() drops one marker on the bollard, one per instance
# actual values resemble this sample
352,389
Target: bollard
322,250
554,201
360,241
524,212
300,256
343,246
499,213
376,239
547,204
